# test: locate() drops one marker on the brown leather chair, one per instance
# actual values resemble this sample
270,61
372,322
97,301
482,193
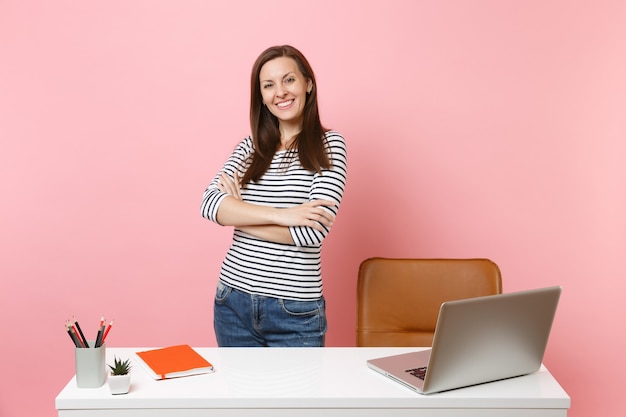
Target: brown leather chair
398,300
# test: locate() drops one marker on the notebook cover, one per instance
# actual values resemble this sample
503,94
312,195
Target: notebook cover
174,361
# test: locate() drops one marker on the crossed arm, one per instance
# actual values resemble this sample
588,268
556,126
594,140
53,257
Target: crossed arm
269,223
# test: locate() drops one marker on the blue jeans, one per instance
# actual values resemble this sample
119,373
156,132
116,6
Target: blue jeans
248,320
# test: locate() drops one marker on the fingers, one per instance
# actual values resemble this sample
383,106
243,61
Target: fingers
321,217
322,226
229,186
324,216
322,222
326,203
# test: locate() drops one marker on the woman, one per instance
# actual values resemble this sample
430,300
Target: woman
280,189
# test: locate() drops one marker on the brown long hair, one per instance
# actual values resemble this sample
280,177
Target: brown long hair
309,143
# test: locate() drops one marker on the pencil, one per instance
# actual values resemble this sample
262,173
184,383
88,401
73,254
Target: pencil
76,333
100,331
80,332
107,331
71,333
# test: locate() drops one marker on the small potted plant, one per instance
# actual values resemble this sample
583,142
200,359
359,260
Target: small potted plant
119,379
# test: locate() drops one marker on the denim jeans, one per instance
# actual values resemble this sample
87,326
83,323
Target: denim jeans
248,320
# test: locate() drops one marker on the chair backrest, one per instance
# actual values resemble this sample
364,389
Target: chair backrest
398,300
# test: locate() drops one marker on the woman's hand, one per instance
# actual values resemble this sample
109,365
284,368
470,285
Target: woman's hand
229,186
311,214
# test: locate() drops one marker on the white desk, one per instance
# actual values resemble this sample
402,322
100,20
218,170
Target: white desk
281,382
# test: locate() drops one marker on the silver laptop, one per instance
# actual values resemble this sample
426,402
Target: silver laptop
479,340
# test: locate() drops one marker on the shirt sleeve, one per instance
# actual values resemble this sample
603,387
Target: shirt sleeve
213,197
329,184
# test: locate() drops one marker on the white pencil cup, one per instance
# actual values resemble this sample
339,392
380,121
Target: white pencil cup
91,366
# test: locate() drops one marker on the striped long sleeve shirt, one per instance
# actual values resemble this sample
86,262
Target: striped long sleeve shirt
272,269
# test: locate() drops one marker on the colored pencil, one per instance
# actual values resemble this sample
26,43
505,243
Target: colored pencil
76,333
80,331
74,338
107,330
100,332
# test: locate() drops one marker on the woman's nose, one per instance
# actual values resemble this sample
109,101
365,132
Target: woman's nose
281,91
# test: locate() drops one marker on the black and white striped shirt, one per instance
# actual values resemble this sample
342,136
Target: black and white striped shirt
279,270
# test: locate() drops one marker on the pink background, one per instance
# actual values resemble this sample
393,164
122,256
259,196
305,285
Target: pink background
475,129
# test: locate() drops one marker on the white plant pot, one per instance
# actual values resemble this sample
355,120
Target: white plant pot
119,384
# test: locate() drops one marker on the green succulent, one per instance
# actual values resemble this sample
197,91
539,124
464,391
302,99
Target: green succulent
120,367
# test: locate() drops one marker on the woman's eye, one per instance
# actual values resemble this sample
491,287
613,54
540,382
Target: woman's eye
267,85
289,80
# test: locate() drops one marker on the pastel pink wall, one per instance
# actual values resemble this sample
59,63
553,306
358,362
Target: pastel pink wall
475,129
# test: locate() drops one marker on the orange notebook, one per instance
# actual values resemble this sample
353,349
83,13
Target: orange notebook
174,362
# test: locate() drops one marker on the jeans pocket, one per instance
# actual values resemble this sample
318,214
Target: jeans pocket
304,320
222,292
302,308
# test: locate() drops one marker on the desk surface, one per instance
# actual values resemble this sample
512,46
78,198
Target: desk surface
307,381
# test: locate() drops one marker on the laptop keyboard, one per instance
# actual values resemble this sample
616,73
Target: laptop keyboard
418,372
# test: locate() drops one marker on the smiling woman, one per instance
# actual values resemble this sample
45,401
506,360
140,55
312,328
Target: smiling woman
284,90
280,189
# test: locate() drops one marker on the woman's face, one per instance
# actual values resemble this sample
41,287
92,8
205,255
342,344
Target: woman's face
284,90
